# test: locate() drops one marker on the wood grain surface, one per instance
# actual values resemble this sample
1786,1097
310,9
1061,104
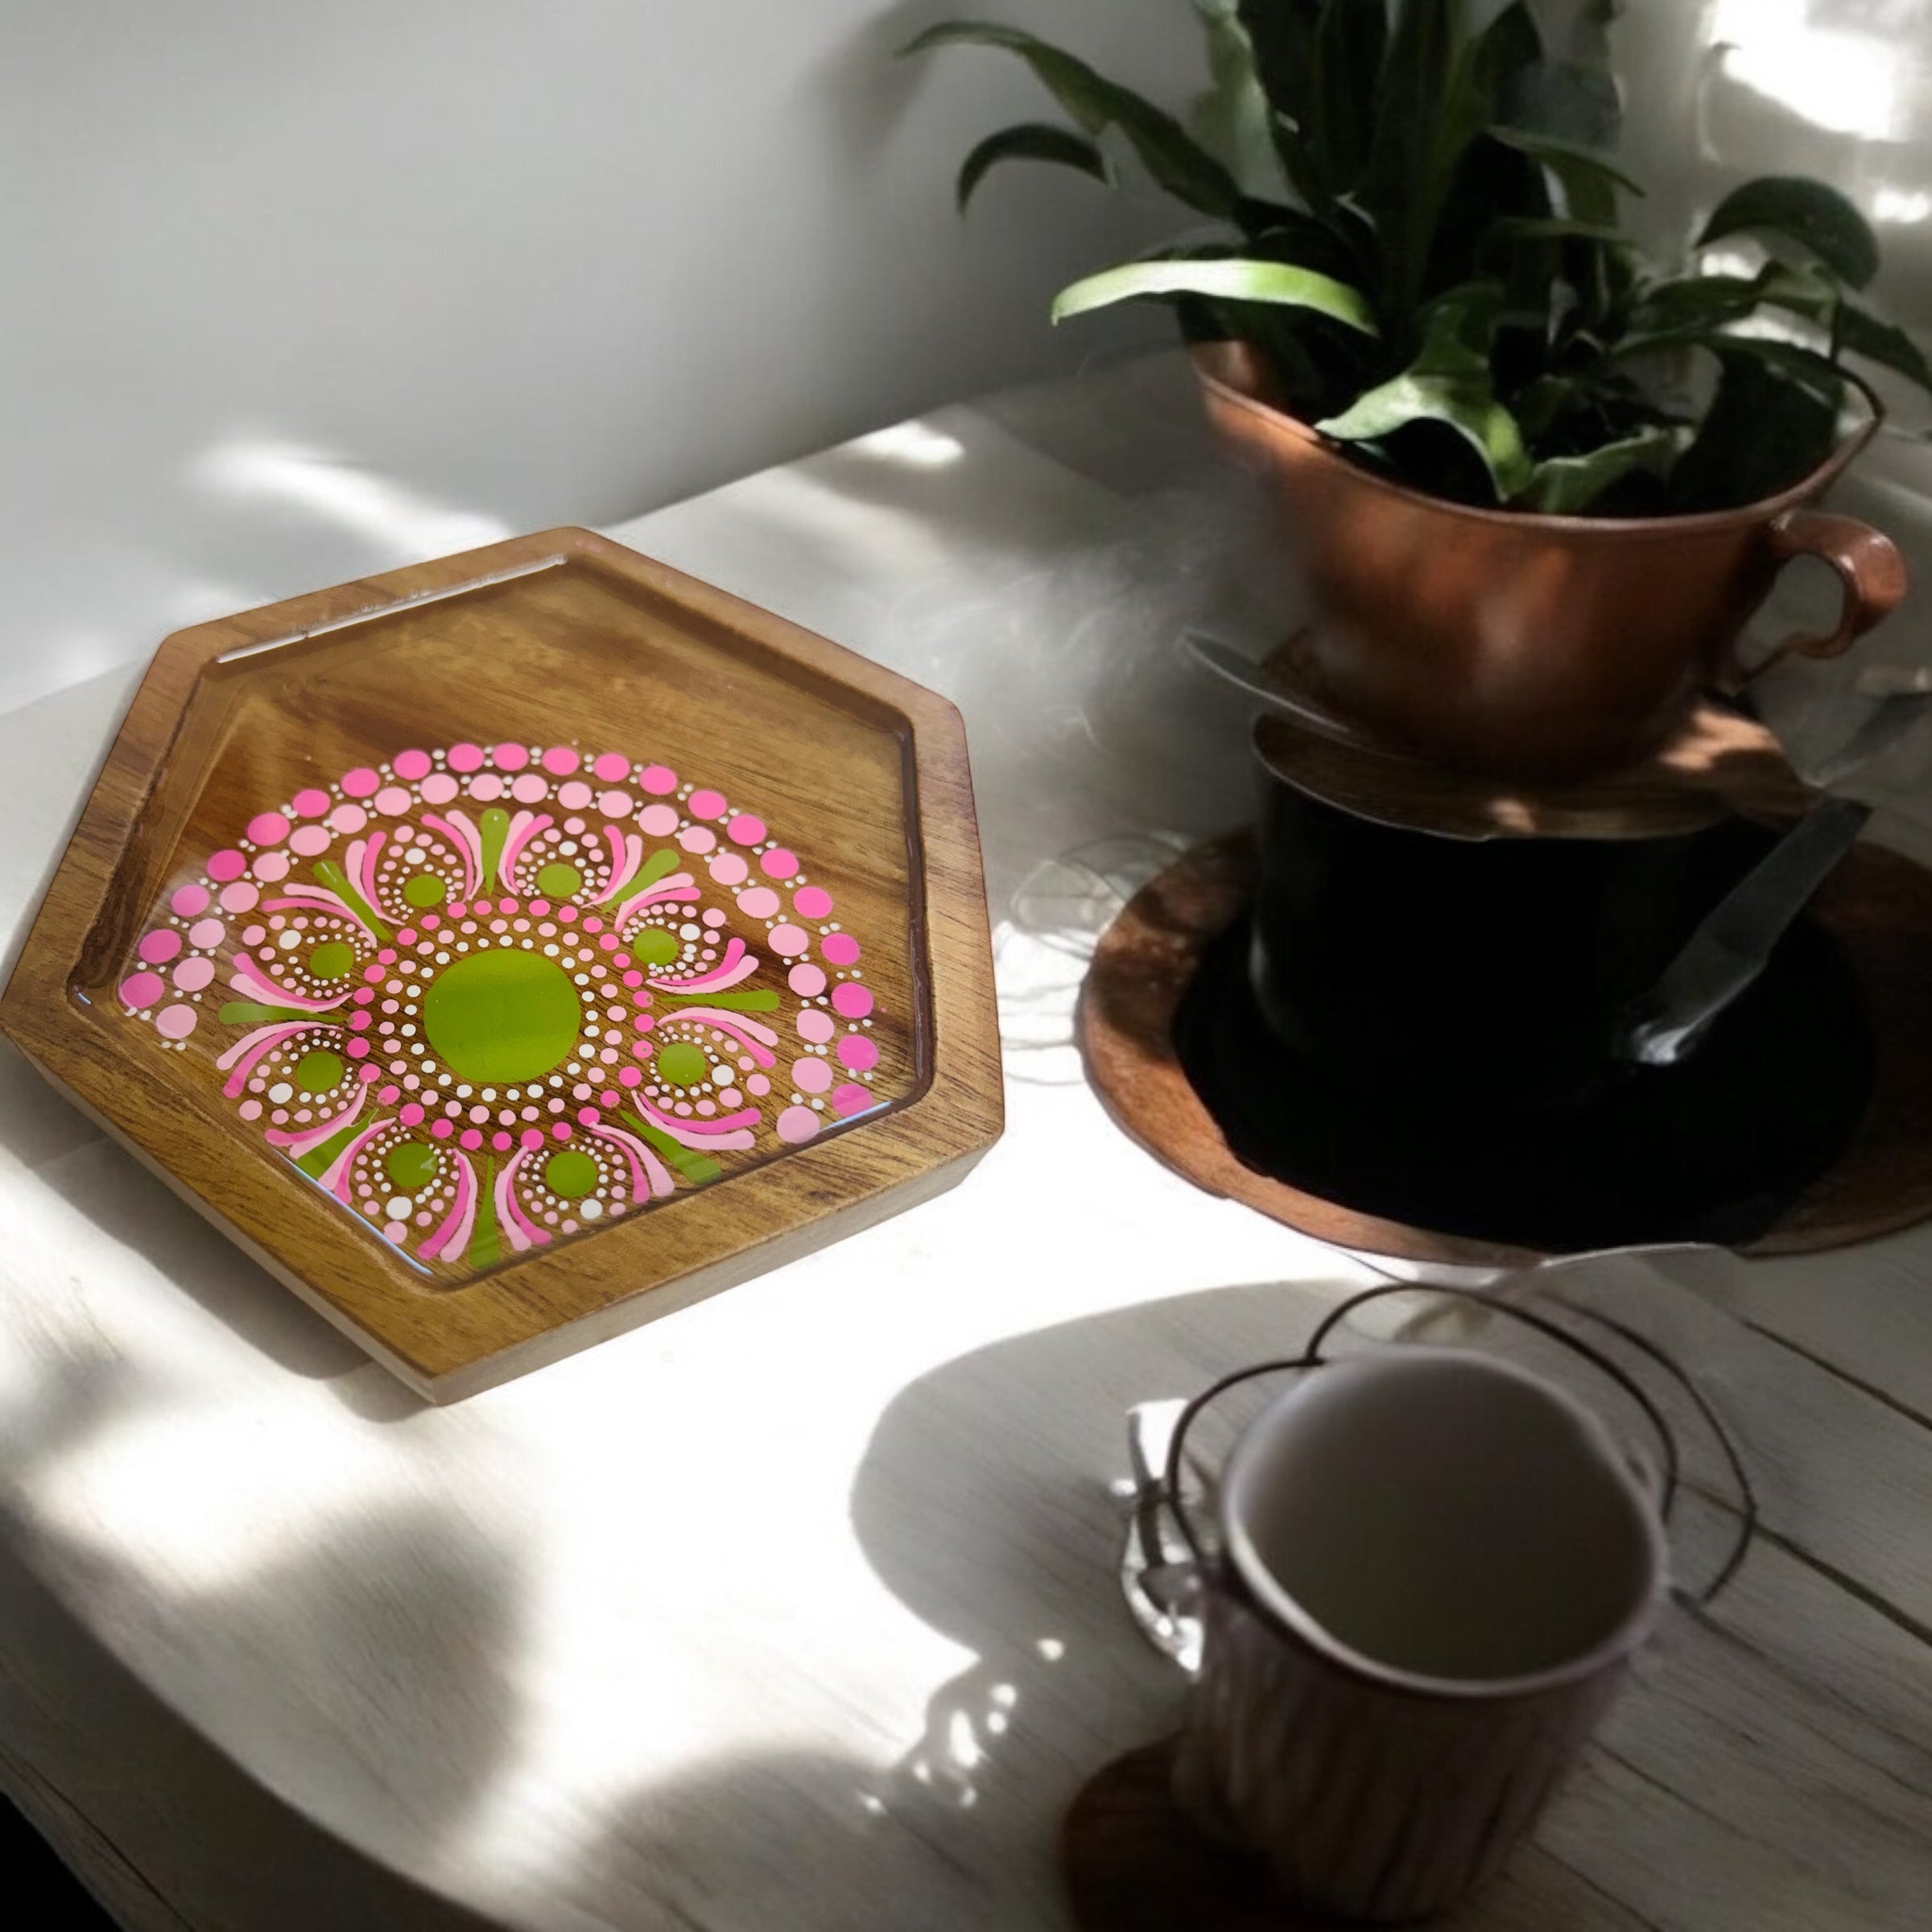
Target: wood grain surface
264,753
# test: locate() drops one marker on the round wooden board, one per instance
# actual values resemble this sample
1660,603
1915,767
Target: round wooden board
1878,907
1133,1864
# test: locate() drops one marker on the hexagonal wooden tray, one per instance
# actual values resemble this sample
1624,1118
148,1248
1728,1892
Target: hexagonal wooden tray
513,948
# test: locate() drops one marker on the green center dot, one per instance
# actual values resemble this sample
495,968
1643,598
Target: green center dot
425,889
682,1064
332,960
655,946
318,1071
503,1015
558,880
410,1165
570,1174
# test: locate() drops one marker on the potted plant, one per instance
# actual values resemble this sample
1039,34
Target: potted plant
1538,483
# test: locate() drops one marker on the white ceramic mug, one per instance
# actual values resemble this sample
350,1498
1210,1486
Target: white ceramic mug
1435,1568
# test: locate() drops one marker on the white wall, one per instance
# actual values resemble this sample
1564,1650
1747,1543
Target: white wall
292,289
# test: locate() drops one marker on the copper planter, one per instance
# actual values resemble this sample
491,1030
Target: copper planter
1521,645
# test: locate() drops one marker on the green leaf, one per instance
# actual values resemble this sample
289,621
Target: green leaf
1440,91
1233,118
1177,162
1350,39
1032,141
1449,382
1228,279
1771,423
1554,228
1790,207
1862,334
1588,181
1564,486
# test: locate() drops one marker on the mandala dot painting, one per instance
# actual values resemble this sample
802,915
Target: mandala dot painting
492,996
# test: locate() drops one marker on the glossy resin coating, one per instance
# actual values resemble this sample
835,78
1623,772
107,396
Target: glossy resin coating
517,947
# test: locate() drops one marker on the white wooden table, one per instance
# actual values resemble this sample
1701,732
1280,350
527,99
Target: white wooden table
798,1610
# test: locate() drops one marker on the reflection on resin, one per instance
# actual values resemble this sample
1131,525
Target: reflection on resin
489,997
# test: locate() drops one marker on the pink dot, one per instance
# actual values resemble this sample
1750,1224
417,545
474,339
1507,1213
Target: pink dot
410,765
349,819
358,1050
816,1025
254,935
188,901
629,1076
613,767
159,947
268,828
574,796
175,1023
851,1098
841,948
469,1138
532,1136
439,788
412,1115
241,896
852,1000
310,804
229,865
389,1096
250,1110
392,801
561,760
374,975
778,862
395,1231
758,1084
806,981
697,838
788,941
706,804
528,788
761,902
658,821
745,829
441,1130
810,1075
141,989
727,868
361,782
206,933
858,1052
309,841
465,757
796,1125
811,902
510,757
615,804
271,866
559,1130
192,974
658,780
486,786
500,1142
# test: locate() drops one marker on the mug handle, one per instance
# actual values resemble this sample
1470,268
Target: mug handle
1868,565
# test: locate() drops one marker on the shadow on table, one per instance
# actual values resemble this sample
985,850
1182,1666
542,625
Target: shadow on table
269,1860
983,1502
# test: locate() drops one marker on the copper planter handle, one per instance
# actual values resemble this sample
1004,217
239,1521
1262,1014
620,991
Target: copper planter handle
1868,566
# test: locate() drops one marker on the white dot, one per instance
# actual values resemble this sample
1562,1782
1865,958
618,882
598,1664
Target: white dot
280,1092
401,1207
590,1210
